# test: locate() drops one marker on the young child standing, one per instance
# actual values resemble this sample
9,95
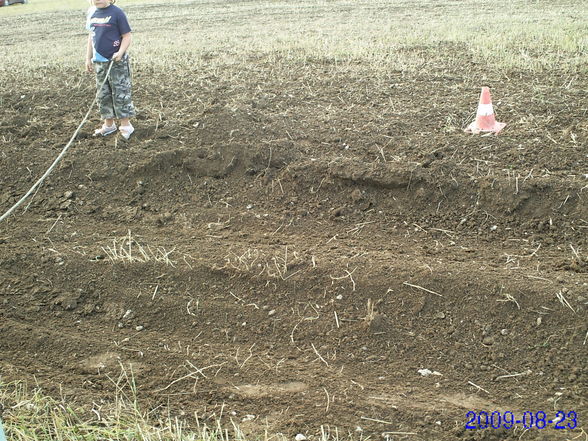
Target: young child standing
109,39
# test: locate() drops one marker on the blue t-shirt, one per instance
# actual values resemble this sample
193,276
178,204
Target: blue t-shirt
107,26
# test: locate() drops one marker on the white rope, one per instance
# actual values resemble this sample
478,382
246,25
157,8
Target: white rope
61,155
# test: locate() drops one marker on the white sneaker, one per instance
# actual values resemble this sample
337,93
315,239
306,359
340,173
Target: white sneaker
126,131
105,130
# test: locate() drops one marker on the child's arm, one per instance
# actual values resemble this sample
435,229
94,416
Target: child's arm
89,54
124,45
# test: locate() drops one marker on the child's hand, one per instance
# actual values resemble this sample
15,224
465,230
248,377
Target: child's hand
117,56
89,65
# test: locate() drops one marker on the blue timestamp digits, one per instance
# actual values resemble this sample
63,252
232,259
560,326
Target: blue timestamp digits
529,420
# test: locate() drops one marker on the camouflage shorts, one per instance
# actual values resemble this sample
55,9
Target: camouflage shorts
114,97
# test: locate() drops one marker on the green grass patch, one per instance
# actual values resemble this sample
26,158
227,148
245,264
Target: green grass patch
30,415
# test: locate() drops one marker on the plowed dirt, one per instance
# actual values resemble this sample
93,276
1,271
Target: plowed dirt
305,238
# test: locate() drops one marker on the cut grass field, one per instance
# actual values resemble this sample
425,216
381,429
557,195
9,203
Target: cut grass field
43,6
397,34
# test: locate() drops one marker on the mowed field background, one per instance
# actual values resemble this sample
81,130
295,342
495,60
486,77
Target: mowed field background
530,35
299,224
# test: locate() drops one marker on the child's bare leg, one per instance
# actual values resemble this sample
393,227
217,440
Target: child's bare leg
109,122
125,122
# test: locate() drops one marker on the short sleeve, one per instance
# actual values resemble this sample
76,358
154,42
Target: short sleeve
123,23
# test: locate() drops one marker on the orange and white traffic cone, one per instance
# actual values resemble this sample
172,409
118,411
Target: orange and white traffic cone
485,121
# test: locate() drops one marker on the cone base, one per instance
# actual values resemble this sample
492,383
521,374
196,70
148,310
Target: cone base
475,129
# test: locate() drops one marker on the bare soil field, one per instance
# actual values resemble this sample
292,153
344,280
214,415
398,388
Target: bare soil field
285,243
